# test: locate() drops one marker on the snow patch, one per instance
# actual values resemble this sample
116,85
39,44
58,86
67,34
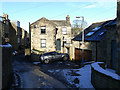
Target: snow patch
68,64
51,71
84,78
36,63
108,73
110,70
8,45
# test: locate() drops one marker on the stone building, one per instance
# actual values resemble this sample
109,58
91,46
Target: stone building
17,36
51,35
4,22
118,38
100,43
77,42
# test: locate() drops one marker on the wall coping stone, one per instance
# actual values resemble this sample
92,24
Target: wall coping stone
97,67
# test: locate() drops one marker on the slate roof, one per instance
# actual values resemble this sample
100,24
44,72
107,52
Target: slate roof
61,22
96,31
56,22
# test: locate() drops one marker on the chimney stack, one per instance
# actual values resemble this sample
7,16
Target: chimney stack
68,19
5,16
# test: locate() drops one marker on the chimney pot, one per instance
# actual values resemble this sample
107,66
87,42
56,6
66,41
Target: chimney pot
68,18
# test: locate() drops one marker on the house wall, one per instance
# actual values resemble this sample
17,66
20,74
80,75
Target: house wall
67,37
111,35
5,29
36,36
0,55
51,36
76,44
17,36
14,36
118,39
102,50
0,32
23,37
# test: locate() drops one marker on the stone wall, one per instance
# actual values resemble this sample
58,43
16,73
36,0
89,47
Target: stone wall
36,36
100,78
118,39
7,74
53,32
0,56
13,36
102,50
67,37
76,44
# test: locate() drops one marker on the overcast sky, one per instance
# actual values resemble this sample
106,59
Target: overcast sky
92,10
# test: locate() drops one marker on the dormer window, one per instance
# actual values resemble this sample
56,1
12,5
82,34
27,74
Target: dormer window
43,30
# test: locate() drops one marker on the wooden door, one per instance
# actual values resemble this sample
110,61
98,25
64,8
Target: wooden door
87,54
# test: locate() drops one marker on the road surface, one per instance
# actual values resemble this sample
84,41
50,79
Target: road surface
31,76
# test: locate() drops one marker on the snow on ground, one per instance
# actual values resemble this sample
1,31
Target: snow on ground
81,77
110,70
36,63
106,72
8,45
53,71
84,77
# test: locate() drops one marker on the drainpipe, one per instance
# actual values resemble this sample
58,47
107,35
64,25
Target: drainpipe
96,52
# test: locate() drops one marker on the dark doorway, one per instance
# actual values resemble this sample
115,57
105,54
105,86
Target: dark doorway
68,50
113,62
58,45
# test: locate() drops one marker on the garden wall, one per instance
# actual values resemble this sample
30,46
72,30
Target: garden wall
7,74
101,78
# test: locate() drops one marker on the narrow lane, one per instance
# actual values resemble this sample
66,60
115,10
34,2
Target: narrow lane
31,76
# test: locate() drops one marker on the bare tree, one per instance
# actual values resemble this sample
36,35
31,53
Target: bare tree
78,26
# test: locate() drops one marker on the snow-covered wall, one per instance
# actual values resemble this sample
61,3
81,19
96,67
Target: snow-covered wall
102,78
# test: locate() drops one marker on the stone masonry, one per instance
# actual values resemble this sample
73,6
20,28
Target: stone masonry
53,32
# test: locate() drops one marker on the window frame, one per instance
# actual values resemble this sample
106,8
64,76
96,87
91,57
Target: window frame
43,31
42,46
65,30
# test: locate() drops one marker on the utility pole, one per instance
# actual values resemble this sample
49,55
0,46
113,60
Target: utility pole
82,38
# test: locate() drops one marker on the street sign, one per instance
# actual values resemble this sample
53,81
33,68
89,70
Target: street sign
83,46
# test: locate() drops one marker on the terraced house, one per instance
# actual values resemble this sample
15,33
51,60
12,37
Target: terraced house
51,35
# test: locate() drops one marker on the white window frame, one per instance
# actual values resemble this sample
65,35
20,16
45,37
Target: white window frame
43,43
64,31
43,28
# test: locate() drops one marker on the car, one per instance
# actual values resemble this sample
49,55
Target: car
53,56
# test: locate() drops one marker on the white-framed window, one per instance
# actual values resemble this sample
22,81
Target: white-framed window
64,30
43,30
43,43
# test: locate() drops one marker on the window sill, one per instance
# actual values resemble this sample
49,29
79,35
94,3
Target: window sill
43,34
43,47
